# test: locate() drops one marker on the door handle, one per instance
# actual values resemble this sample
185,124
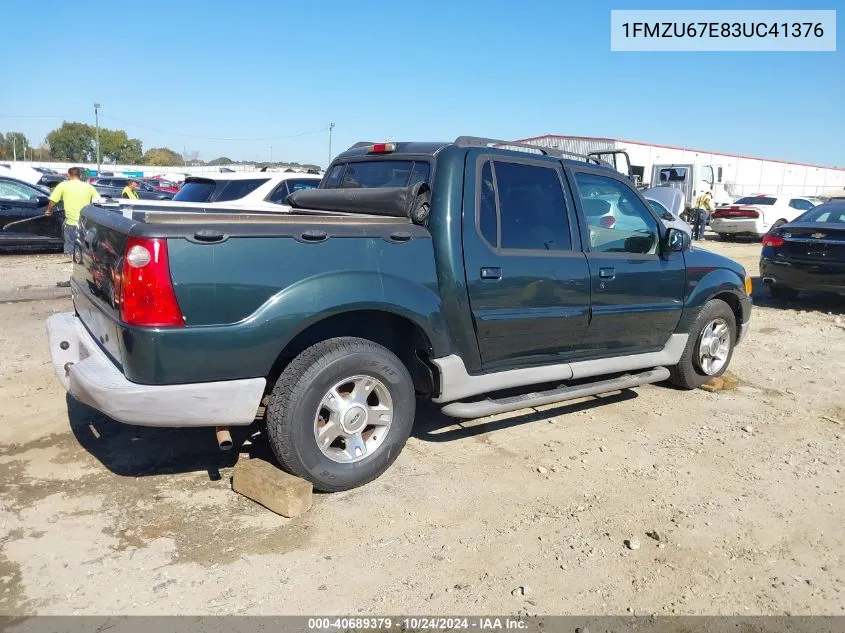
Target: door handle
491,273
607,273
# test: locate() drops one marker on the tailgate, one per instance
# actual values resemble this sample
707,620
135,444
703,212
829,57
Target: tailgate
98,258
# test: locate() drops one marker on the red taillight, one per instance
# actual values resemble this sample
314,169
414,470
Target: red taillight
772,240
383,148
607,221
736,212
145,292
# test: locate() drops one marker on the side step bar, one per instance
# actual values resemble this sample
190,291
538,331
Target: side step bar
490,406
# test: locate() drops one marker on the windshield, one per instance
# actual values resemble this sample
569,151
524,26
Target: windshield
195,191
377,173
756,200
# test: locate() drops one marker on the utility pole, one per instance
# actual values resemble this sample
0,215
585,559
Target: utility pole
97,126
271,154
331,127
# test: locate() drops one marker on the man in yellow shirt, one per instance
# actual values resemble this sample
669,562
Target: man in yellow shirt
75,194
129,190
703,209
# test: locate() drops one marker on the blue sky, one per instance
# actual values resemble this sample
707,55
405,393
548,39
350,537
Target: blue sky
429,70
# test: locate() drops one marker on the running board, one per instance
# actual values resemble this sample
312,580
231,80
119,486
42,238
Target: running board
490,406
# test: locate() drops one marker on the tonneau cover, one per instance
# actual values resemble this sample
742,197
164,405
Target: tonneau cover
394,202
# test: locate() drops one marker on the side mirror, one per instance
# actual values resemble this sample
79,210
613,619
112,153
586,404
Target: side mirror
675,241
42,201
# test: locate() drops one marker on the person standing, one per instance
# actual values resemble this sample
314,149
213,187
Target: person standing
703,209
75,194
129,190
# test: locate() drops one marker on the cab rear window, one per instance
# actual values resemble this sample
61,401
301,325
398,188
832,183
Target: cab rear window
377,173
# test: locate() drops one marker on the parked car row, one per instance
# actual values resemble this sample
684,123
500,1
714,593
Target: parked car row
112,187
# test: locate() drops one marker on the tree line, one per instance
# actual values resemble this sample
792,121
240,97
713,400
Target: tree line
77,142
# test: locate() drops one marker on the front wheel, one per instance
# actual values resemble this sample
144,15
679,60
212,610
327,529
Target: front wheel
340,413
709,348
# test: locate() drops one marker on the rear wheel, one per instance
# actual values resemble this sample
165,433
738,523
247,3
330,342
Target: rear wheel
709,348
782,292
340,413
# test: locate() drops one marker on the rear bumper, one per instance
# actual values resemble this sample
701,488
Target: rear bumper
92,378
816,277
739,226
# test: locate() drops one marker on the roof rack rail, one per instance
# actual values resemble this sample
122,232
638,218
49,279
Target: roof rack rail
478,141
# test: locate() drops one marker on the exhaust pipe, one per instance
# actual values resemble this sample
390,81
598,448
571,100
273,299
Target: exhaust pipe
224,438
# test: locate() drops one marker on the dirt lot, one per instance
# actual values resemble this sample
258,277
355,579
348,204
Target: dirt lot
745,486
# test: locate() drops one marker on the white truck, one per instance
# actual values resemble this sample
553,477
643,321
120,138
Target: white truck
693,180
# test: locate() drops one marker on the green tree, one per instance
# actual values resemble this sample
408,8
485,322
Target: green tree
16,144
73,142
117,147
162,156
222,160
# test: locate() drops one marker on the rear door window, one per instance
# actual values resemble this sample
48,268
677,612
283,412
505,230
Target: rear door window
800,204
287,187
525,209
237,189
196,191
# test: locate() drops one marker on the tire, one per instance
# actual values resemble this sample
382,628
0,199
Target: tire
783,293
727,237
296,411
691,372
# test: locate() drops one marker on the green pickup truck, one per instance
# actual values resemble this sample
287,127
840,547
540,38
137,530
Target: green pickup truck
481,275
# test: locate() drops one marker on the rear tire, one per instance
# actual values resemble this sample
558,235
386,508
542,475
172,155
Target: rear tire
703,360
782,292
325,390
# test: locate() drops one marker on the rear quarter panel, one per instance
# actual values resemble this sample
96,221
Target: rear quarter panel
244,299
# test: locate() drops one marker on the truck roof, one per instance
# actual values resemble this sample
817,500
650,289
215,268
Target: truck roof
406,148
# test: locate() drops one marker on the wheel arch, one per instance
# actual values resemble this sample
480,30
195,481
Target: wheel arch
400,333
721,284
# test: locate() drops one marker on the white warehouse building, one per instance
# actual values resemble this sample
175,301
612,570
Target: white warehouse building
733,175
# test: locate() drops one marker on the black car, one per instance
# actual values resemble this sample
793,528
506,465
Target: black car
23,224
112,187
807,253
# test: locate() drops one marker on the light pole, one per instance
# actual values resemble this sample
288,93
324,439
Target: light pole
97,125
331,127
271,154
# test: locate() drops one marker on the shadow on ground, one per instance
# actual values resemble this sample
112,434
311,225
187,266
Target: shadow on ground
433,426
806,301
139,451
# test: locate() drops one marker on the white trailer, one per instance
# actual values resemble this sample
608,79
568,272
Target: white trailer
729,176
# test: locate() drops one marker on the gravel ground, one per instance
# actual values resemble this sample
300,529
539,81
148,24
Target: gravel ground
648,501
